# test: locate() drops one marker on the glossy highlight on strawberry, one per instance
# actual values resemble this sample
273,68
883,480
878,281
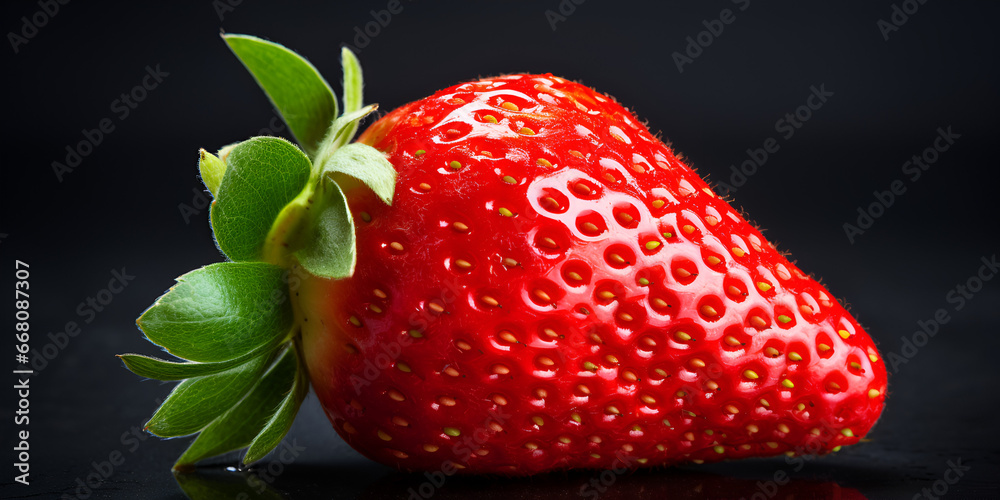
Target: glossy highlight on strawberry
553,288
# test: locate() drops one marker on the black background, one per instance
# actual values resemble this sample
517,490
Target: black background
120,207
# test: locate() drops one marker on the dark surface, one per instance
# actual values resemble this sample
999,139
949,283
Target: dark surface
119,208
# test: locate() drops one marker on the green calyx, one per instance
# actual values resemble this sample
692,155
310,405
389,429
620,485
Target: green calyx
277,207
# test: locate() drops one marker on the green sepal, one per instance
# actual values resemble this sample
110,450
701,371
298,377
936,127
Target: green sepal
294,86
328,248
353,86
237,427
263,175
279,424
221,312
338,134
212,169
159,369
365,164
196,402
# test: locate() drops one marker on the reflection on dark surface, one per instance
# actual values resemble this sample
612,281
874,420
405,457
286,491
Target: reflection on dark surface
308,481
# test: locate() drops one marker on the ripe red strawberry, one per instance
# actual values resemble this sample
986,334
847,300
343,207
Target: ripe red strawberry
551,288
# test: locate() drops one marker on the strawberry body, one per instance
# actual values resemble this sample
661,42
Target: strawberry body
554,288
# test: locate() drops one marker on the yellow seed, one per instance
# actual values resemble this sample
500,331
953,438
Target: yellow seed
680,394
509,180
873,357
365,216
658,203
355,321
511,106
590,227
546,361
659,303
531,446
745,447
772,444
550,333
689,436
652,245
509,262
732,340
434,306
835,386
526,131
794,356
396,395
542,295
452,431
539,421
847,432
873,393
464,264
384,436
764,403
397,246
757,322
544,163
712,385
509,337
682,273
565,440
626,218
612,410
447,401
589,366
490,118
763,286
783,319
709,311
582,188
750,374
490,301
463,345
506,213
430,448
688,229
455,164
836,448
576,417
649,400
772,352
697,363
574,276
500,400
379,293
375,309
500,369
752,428
617,259
416,334
713,260
800,406
419,152
732,409
425,186
643,282
595,455
451,371
403,367
787,383
611,359
711,220
549,242
626,317
719,449
682,336
783,428
668,235
823,347
844,334
737,251
460,226
855,365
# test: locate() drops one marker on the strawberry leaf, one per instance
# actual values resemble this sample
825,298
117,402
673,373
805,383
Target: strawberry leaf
221,312
365,164
280,422
196,402
238,426
293,85
353,82
263,174
328,245
338,134
159,369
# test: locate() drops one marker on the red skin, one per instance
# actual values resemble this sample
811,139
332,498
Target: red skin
464,373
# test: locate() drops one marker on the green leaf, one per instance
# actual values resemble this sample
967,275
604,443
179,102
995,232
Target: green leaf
263,174
365,164
237,427
293,85
276,428
221,312
159,369
212,170
337,136
353,83
328,244
196,402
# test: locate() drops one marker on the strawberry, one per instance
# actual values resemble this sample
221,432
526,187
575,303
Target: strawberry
510,276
